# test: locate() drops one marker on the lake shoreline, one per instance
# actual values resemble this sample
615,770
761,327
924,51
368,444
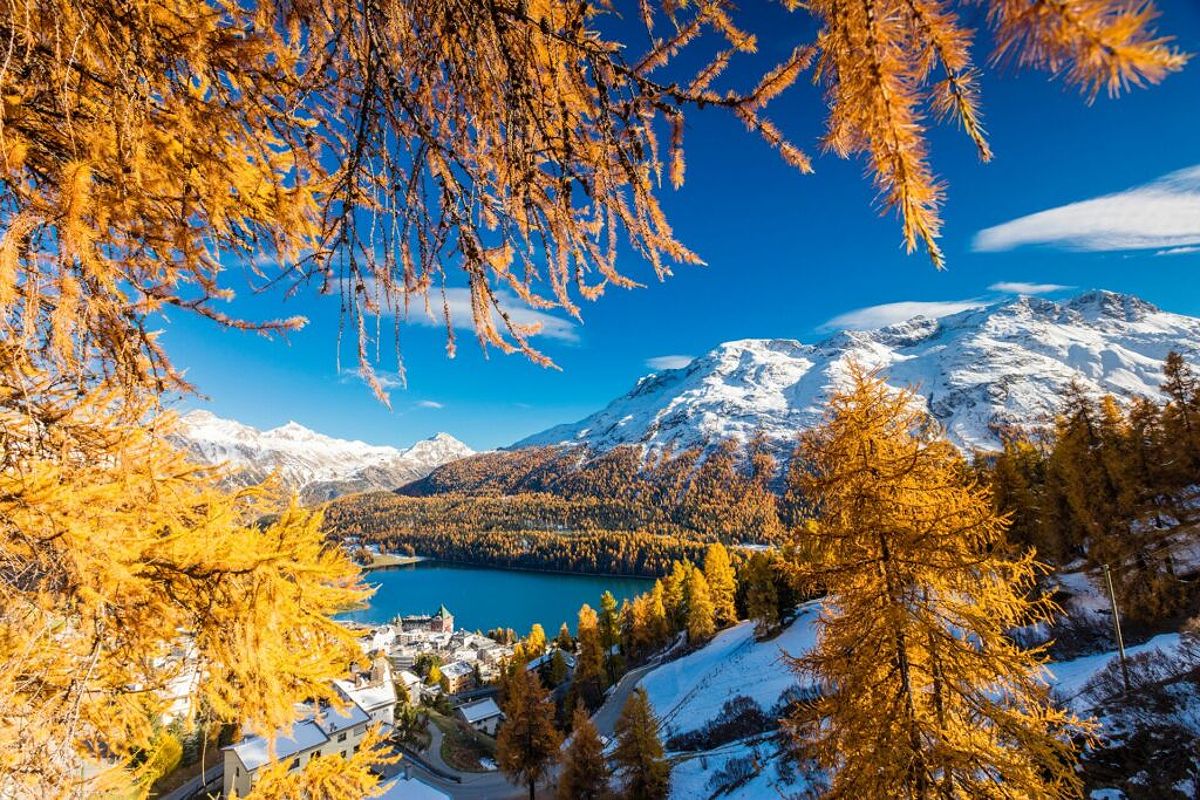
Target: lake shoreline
408,561
485,597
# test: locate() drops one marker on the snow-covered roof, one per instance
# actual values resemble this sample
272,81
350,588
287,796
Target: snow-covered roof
334,721
480,710
411,789
254,751
457,669
369,697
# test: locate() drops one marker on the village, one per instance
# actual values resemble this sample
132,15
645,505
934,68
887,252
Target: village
421,670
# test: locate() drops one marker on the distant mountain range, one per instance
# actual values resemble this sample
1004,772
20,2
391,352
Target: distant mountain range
319,467
1002,364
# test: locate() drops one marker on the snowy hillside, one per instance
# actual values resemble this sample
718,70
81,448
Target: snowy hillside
319,467
689,692
1007,363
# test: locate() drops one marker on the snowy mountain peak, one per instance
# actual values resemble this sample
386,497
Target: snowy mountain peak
316,465
1001,364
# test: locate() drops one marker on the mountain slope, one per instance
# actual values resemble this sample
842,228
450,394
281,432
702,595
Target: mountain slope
319,467
1003,364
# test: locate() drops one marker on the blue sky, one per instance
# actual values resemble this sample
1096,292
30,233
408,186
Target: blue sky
788,256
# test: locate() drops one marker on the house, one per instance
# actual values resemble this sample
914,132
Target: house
459,676
482,715
369,698
411,684
374,691
406,787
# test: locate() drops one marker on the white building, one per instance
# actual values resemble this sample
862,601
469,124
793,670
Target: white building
406,787
482,715
323,732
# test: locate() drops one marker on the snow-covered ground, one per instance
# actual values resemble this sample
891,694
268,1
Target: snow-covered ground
1068,678
689,692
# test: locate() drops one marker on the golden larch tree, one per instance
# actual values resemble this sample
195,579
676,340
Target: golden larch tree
722,583
924,692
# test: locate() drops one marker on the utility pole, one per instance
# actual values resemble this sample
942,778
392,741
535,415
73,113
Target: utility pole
1116,615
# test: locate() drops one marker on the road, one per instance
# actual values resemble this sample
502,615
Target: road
493,785
605,718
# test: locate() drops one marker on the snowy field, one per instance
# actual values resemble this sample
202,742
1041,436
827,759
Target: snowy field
690,691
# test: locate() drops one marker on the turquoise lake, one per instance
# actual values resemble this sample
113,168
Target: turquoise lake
483,597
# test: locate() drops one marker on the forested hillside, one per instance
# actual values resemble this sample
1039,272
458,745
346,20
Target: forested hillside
1106,485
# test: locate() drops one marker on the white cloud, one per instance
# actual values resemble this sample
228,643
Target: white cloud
1161,214
429,404
458,300
669,362
1178,251
1020,287
388,380
890,313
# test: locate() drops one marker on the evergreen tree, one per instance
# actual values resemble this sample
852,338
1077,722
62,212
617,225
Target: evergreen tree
700,616
639,753
585,773
564,640
722,584
610,633
528,743
556,669
925,694
761,598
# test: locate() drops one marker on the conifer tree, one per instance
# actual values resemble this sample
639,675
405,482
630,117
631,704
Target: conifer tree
639,753
585,772
675,594
589,680
700,613
924,693
762,599
564,640
610,633
556,671
527,744
722,584
657,616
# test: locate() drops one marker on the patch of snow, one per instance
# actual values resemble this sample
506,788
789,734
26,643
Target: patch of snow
690,691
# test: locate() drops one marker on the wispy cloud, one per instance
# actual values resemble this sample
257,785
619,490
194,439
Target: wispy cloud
669,362
458,301
890,313
429,404
1161,214
1178,251
1020,287
387,379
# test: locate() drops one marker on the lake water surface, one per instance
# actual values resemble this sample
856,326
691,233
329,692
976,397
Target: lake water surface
484,597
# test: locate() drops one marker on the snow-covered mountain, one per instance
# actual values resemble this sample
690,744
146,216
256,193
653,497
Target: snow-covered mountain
1007,363
318,466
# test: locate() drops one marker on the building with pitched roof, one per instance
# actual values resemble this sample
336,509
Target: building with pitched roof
322,731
